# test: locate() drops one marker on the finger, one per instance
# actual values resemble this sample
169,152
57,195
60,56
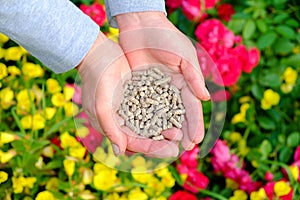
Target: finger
194,80
186,142
151,148
194,116
173,134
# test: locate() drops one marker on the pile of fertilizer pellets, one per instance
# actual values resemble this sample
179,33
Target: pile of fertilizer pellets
151,104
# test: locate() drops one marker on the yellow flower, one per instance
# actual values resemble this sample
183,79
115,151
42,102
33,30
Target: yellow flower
286,88
48,151
32,70
7,156
68,92
243,149
53,86
239,195
13,70
138,161
70,108
26,122
52,183
3,71
168,180
281,188
105,179
241,116
161,169
82,132
112,196
87,195
258,195
137,194
3,176
2,52
6,138
154,187
140,175
231,184
68,141
290,75
77,152
13,53
270,99
87,176
24,97
38,122
6,98
113,34
58,99
295,171
50,112
45,195
19,183
234,137
3,38
69,166
99,155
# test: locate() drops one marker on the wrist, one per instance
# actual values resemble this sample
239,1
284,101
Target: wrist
101,38
137,20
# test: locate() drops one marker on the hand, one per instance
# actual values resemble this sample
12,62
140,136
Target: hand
103,71
148,38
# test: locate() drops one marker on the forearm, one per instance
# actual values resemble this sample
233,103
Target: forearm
56,32
118,7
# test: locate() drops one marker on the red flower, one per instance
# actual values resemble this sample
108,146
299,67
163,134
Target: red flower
225,11
182,195
95,11
173,4
192,10
189,158
297,154
195,181
269,176
56,142
249,59
220,95
210,3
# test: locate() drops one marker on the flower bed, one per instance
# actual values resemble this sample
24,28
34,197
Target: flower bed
255,45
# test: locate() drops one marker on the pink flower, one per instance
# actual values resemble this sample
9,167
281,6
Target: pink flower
77,94
84,117
210,3
189,158
229,70
95,11
195,181
92,140
269,176
220,95
192,10
225,11
297,154
182,195
269,189
213,32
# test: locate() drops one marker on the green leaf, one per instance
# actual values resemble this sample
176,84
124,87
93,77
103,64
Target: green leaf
270,79
249,29
236,25
279,18
292,22
257,91
293,139
266,123
285,154
283,46
175,174
285,31
265,148
261,25
266,40
293,60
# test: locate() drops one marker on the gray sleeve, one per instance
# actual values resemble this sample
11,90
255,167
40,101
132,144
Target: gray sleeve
116,7
56,32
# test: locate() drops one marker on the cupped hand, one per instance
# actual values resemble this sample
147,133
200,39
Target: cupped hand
149,38
103,72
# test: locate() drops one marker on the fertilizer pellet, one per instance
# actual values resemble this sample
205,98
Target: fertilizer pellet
151,105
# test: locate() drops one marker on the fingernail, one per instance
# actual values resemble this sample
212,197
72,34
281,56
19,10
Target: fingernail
116,149
207,92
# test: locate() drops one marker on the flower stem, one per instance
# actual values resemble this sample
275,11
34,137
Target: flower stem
213,194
